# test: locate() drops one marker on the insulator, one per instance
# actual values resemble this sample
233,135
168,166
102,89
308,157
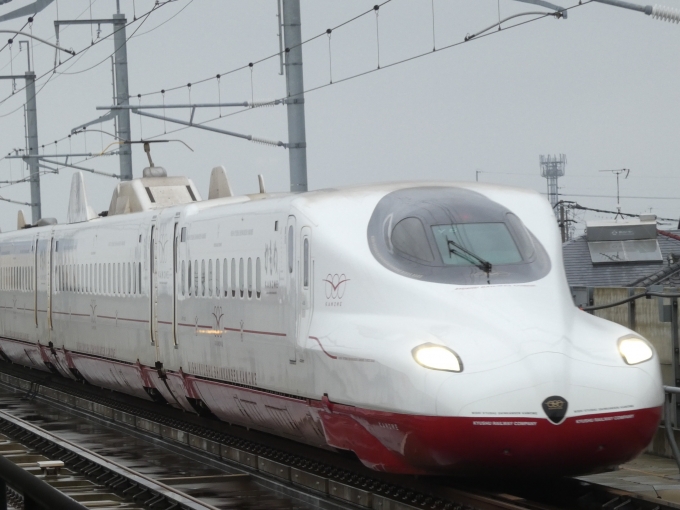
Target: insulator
266,142
265,104
666,13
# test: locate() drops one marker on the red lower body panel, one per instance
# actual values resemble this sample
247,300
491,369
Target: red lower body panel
468,446
384,441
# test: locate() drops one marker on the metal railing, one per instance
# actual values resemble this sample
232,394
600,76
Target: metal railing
37,493
669,391
634,297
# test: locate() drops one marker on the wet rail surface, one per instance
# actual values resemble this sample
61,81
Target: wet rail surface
308,476
219,488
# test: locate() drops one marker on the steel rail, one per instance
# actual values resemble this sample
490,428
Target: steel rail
171,494
339,483
311,474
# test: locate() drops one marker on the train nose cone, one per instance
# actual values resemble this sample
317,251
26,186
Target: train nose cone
555,408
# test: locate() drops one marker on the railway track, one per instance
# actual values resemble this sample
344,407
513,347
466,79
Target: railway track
312,477
105,468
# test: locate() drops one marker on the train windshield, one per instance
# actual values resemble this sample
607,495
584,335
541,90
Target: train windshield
491,242
453,235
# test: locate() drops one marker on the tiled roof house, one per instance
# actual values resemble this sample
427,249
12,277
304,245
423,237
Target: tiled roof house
628,253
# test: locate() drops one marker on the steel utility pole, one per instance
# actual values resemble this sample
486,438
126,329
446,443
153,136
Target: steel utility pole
123,132
122,94
297,140
31,124
33,163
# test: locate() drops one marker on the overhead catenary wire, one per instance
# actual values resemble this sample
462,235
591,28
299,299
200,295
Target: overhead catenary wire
155,8
264,59
52,72
363,73
576,205
217,77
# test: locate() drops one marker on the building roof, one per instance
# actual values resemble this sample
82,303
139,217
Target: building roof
582,273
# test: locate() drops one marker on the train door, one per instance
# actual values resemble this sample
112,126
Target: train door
305,287
153,284
292,289
36,269
175,281
50,290
43,289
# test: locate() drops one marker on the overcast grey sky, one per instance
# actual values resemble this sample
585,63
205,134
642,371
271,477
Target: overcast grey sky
602,86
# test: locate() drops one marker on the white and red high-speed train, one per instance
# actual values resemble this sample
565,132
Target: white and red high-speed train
427,327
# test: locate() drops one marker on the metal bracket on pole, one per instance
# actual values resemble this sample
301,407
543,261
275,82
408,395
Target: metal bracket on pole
75,155
655,11
115,176
121,86
547,5
647,9
70,52
250,138
243,104
52,170
16,202
557,14
101,119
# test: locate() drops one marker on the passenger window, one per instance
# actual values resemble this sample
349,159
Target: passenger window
241,277
189,281
258,279
196,278
184,282
305,277
225,276
291,249
203,278
250,277
218,293
210,277
233,277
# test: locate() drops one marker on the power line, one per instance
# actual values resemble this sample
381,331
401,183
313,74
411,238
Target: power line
574,205
166,21
79,54
264,59
614,196
155,8
358,75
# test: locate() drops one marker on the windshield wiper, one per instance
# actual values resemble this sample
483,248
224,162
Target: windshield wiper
461,251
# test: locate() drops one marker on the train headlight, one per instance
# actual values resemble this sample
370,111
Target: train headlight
437,357
635,350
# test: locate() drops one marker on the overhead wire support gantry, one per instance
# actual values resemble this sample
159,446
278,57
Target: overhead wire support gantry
122,95
32,123
138,110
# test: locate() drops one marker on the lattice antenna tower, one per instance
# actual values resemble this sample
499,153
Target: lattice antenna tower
552,168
